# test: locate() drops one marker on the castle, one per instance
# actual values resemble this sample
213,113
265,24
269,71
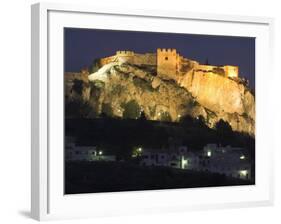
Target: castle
168,63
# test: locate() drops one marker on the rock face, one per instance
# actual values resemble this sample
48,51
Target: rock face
122,89
157,99
228,99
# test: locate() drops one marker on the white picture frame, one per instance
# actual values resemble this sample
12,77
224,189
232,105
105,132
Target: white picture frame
47,198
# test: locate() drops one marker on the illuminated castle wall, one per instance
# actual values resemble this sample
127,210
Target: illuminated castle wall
169,63
231,71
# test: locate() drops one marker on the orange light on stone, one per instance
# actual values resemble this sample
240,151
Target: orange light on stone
231,71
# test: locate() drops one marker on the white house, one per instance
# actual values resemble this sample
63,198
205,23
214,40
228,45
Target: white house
154,157
84,153
231,161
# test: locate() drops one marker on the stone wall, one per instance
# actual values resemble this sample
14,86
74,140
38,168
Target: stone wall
104,61
231,71
227,70
205,68
145,59
130,57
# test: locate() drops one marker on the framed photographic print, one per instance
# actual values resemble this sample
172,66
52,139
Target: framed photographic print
148,111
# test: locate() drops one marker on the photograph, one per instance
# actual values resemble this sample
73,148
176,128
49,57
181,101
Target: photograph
157,110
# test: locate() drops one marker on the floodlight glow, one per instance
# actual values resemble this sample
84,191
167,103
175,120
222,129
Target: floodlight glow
209,153
242,157
100,153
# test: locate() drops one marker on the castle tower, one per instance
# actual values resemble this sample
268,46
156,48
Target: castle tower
167,63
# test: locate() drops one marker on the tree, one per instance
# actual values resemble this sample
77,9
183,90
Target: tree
224,131
78,86
107,110
103,115
223,126
132,110
165,116
200,121
186,120
142,116
77,109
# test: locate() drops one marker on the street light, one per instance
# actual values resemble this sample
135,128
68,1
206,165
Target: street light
243,172
184,162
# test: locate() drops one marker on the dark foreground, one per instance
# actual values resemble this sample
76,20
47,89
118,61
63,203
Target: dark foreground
94,177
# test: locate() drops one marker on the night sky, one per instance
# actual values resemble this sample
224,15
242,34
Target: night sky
82,46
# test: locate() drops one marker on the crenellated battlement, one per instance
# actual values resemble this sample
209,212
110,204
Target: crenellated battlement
125,53
166,50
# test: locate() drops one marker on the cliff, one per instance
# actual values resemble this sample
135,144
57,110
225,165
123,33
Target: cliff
229,99
128,90
115,87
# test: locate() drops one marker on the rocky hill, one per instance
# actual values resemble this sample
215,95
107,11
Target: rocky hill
130,91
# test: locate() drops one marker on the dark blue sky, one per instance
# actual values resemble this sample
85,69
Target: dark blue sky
82,46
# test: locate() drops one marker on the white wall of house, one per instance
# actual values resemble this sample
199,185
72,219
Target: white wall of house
231,161
84,153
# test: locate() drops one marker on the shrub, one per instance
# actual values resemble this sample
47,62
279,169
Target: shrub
165,116
77,109
78,86
132,110
107,109
224,131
